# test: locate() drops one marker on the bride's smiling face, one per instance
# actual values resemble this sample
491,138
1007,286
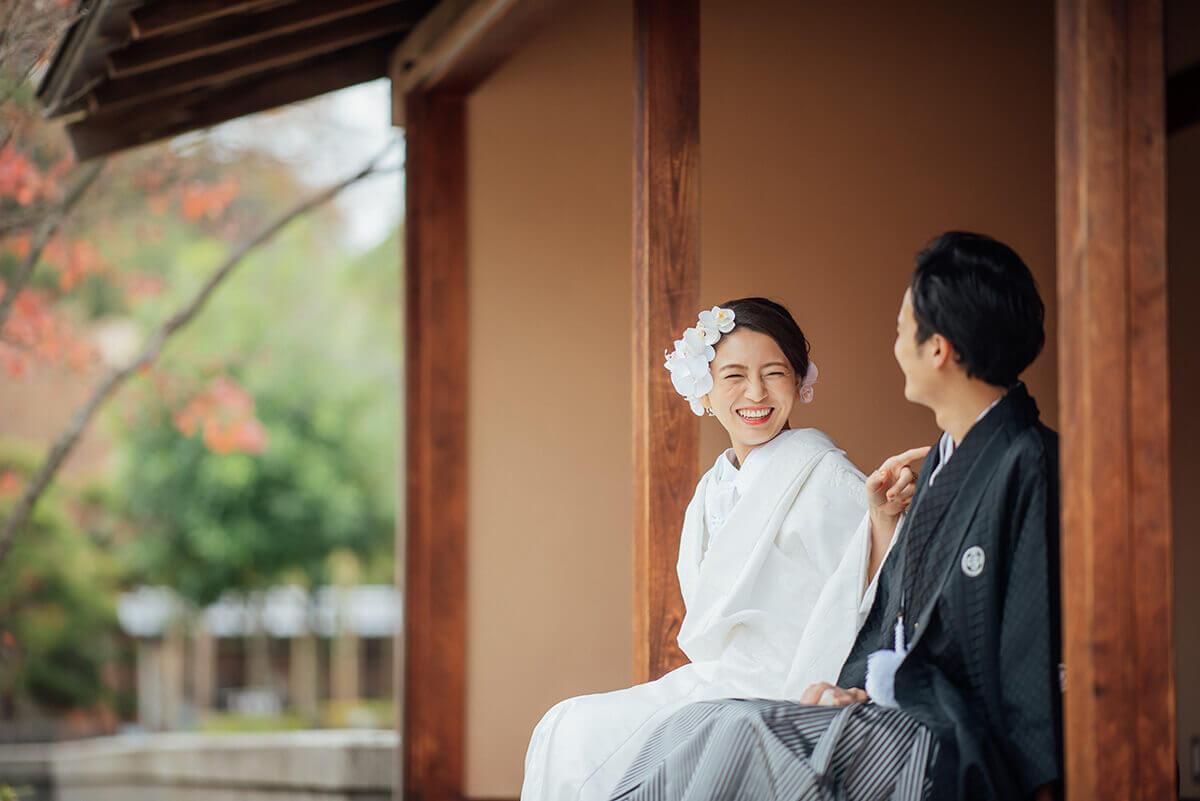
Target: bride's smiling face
754,388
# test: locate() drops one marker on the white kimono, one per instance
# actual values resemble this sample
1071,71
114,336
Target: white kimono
772,566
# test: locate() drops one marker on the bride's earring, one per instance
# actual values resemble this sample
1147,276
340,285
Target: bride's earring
710,412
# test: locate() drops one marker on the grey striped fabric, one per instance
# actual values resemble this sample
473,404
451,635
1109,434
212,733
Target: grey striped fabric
780,751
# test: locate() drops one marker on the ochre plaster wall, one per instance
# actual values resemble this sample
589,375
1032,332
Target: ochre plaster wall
834,142
1183,264
551,488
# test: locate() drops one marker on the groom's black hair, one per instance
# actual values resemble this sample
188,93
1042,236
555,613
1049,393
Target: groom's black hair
774,320
979,295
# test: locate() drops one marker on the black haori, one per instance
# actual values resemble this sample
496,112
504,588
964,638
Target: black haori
779,751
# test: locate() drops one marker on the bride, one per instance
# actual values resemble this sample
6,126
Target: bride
773,559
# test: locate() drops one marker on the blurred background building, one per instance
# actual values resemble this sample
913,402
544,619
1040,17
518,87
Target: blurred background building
315,660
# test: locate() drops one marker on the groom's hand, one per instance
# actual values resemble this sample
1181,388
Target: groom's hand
890,488
825,694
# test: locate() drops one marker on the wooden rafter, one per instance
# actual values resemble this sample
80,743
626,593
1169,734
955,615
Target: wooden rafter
460,42
107,133
68,59
164,67
170,17
230,33
221,68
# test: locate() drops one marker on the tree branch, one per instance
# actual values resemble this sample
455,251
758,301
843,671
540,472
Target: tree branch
26,24
43,234
26,218
70,436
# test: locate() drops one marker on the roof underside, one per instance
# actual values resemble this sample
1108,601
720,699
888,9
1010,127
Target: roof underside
132,71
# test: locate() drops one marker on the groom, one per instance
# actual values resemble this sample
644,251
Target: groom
960,647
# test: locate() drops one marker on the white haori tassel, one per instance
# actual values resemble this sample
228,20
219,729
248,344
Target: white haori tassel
881,670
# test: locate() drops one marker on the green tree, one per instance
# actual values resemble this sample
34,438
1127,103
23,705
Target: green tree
56,604
210,522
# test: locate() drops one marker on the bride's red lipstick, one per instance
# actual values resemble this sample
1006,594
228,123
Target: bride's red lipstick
756,421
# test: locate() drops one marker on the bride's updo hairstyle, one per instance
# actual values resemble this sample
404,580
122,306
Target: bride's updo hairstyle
770,318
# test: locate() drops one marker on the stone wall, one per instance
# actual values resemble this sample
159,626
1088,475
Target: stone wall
288,766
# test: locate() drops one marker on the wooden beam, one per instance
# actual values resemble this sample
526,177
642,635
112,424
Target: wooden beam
231,33
107,133
58,85
1183,99
166,17
461,42
1116,549
381,23
436,464
666,281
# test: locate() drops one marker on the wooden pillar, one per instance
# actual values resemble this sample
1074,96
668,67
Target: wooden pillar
1116,541
344,668
436,432
204,674
174,671
345,649
666,290
303,666
149,684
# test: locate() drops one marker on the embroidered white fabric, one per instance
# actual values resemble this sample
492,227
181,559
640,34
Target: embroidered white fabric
724,492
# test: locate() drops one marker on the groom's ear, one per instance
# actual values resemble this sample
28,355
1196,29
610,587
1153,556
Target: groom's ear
941,351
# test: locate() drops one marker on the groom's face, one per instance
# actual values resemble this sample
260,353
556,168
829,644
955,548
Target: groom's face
918,370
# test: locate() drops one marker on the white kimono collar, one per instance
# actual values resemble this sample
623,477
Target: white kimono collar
744,477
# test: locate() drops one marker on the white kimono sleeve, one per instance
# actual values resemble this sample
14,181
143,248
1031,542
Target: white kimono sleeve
842,543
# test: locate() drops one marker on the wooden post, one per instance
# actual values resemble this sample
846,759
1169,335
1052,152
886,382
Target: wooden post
666,281
173,663
303,667
149,684
1116,542
260,675
436,433
204,675
345,650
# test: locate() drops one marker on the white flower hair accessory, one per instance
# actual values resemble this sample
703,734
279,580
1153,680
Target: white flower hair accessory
806,386
688,363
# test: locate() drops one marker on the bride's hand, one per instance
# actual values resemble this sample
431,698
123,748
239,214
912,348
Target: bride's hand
825,694
890,488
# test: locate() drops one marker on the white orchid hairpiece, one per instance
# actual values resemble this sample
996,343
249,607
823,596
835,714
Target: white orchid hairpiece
806,386
688,363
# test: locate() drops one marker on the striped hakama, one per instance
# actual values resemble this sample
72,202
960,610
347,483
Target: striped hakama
780,751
